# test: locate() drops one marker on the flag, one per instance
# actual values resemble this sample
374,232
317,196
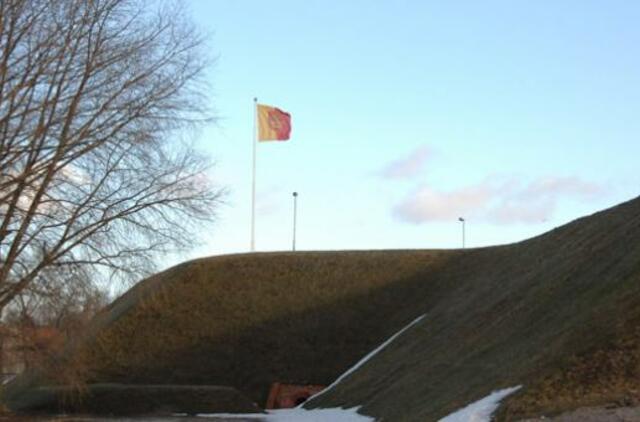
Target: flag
273,124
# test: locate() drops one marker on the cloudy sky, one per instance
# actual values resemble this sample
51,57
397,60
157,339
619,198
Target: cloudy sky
518,116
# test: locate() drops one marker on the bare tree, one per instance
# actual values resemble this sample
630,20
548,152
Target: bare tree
93,97
43,318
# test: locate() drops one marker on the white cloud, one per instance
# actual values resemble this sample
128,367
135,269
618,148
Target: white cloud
409,166
426,204
497,200
553,186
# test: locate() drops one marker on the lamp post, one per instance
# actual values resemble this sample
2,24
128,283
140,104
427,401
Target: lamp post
462,220
295,215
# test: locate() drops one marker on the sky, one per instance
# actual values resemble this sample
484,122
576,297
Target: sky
517,116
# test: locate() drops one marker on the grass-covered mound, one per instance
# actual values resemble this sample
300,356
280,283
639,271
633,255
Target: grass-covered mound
558,314
247,321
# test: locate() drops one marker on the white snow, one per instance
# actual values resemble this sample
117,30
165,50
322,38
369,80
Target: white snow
300,415
481,410
364,359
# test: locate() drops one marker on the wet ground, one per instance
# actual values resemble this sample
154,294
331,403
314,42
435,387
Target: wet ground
596,414
63,418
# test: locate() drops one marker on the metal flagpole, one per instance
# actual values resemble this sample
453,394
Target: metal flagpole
253,184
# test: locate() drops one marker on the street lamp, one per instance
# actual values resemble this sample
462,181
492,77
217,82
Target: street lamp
462,220
295,212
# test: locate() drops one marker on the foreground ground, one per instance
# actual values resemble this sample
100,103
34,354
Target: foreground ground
593,414
114,419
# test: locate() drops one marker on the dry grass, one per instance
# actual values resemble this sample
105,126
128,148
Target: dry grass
518,314
609,375
558,313
250,320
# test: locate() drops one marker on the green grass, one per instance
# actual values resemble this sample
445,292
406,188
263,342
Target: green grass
556,313
249,320
517,314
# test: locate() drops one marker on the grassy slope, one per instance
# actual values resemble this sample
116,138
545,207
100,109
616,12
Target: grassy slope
557,313
249,320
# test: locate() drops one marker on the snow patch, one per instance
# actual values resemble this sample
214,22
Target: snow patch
364,360
481,410
299,415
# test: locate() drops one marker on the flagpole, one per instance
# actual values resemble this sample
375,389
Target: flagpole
253,184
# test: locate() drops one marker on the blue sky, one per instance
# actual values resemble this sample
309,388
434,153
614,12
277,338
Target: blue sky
519,116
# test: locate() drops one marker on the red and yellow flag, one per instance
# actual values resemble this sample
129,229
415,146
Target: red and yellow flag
273,124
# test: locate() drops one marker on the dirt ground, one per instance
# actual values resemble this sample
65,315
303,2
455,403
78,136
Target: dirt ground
137,419
595,414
